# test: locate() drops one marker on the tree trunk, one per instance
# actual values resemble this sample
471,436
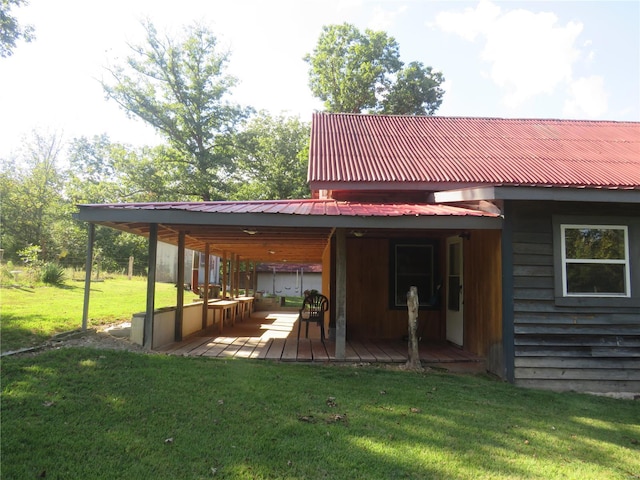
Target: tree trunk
412,306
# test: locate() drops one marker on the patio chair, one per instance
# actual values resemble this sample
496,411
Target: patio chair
313,308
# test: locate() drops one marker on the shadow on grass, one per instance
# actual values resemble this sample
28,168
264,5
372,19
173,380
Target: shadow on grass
166,417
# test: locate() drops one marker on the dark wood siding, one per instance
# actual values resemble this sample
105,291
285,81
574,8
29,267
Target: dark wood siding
585,348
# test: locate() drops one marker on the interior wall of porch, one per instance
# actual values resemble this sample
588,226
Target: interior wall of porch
368,312
483,294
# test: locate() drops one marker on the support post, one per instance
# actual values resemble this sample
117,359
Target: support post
413,361
225,274
147,335
180,288
87,276
341,293
205,293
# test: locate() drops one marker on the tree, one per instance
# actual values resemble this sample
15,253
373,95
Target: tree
273,159
106,172
10,29
179,87
354,72
32,198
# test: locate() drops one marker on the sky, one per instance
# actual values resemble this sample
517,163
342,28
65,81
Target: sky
542,59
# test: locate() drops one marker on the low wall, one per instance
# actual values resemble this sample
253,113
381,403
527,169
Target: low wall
164,320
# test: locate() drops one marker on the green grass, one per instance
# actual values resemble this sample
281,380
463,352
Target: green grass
90,414
31,315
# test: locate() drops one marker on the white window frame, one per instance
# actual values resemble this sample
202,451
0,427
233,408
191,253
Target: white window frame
625,261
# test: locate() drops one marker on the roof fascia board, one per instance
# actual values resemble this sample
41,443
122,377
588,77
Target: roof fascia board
386,186
103,215
560,194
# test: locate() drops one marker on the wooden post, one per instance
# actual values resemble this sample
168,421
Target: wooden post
147,334
130,271
412,306
205,291
225,274
180,288
341,294
87,275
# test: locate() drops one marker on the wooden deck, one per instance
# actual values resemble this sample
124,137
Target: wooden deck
273,336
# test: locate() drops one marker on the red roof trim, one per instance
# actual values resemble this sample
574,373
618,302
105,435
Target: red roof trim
319,207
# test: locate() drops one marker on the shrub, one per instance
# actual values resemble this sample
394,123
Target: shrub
52,274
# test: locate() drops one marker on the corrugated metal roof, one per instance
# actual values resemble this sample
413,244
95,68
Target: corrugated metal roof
355,148
324,207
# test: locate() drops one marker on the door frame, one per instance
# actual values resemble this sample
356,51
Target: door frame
454,307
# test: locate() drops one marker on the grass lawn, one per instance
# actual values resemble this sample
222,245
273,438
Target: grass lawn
31,315
91,414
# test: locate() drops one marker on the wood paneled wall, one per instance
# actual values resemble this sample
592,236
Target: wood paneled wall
368,312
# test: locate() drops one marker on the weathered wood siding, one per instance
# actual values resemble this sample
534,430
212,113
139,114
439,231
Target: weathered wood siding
592,349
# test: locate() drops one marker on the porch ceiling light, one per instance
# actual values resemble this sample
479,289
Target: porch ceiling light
250,232
357,233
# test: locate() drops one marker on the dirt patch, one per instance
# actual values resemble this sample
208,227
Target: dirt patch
91,338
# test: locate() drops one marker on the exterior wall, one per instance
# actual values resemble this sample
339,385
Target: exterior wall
369,315
586,348
483,297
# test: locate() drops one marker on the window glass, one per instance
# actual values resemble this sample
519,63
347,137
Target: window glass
595,260
413,265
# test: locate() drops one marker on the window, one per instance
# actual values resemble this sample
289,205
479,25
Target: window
412,264
595,260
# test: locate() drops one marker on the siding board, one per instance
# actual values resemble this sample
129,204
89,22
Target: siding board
561,347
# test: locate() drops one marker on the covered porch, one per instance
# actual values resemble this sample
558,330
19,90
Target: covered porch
273,335
356,244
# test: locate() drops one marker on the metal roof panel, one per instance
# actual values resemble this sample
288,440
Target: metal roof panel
355,148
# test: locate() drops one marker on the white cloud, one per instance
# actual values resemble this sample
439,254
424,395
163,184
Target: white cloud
587,98
529,53
471,22
383,20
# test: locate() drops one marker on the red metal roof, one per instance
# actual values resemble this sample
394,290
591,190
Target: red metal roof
381,149
325,207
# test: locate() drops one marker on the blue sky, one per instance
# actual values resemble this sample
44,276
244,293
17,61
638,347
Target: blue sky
544,59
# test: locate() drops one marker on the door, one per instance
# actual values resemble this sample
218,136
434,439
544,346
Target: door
455,292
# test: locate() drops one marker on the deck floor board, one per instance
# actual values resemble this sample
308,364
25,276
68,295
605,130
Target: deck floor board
273,336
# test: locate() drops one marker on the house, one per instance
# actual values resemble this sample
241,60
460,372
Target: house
522,236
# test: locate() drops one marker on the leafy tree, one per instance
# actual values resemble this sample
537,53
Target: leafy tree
32,198
274,158
10,29
106,172
354,72
179,86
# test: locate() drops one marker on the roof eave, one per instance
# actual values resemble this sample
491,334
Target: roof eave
553,193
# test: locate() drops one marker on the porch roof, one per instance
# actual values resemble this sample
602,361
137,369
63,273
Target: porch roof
278,230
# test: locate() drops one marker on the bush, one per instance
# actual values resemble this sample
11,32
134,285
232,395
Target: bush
52,274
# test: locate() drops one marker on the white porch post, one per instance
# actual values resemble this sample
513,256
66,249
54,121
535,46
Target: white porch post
147,334
341,293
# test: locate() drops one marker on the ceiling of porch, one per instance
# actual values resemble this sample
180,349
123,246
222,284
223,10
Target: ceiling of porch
261,244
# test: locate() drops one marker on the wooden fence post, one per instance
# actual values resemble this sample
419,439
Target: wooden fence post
130,275
413,362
